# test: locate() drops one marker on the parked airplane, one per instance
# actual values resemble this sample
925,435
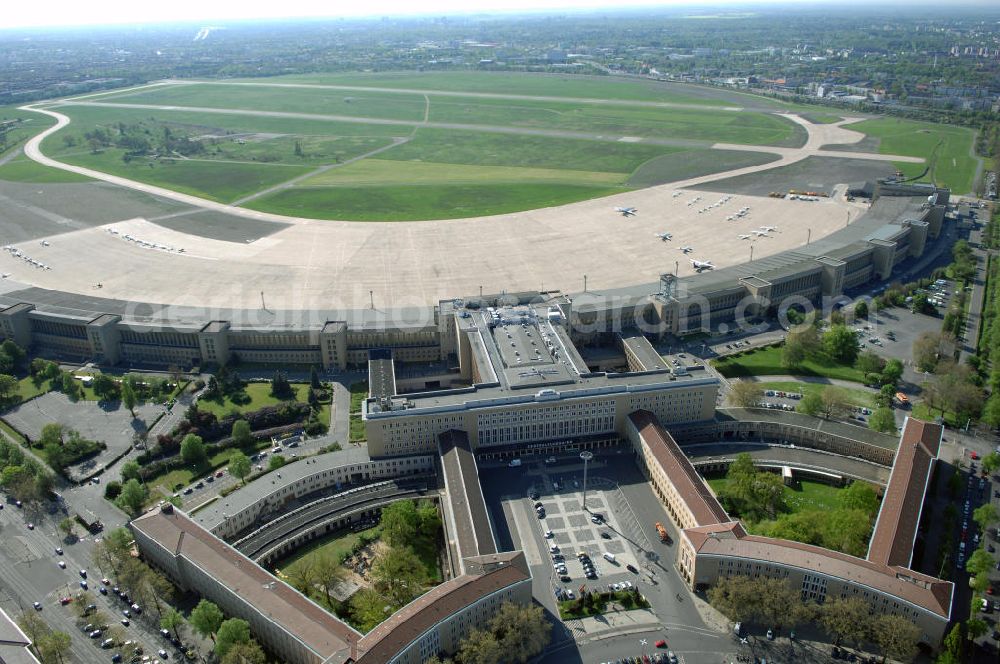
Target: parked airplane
768,229
744,237
627,211
761,234
664,236
702,265
686,250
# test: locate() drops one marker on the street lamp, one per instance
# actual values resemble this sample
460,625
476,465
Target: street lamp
586,455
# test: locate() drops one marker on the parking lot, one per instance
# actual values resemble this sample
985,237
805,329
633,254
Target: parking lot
111,423
584,545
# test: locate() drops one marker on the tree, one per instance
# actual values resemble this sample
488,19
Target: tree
276,462
882,419
811,403
245,653
428,518
892,372
280,387
172,621
800,344
836,402
745,394
328,573
132,497
896,637
193,450
840,344
54,647
369,608
952,388
105,386
980,561
314,381
206,618
8,386
991,462
13,353
399,522
845,619
752,494
130,470
398,574
129,398
231,632
239,465
521,631
985,515
953,647
67,525
976,627
926,351
480,647
859,495
735,597
241,433
991,411
869,363
861,309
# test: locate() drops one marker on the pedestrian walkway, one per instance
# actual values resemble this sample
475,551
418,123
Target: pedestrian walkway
784,378
612,623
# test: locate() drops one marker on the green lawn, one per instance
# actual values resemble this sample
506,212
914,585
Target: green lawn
359,392
694,163
489,149
12,432
857,397
260,396
438,173
375,172
339,546
219,182
767,362
807,495
922,411
548,85
23,169
357,429
421,202
946,149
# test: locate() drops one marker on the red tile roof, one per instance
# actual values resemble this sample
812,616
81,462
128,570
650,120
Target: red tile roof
700,500
899,517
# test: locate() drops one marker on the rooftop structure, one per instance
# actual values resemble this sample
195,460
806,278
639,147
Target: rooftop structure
15,646
466,506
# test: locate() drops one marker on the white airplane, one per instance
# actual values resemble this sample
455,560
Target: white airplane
676,194
5,275
702,265
761,234
45,243
627,211
768,229
744,237
664,236
685,249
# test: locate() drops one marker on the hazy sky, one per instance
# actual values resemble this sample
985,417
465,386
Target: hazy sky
23,13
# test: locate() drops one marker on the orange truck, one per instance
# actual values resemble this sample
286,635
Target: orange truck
664,537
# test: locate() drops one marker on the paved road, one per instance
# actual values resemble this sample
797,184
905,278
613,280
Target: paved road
29,573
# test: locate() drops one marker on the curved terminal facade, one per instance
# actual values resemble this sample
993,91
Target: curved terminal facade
900,225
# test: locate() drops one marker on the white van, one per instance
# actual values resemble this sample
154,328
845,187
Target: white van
610,557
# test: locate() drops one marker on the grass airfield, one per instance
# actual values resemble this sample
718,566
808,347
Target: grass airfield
464,145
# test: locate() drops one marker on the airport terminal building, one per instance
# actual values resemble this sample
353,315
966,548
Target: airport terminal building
899,227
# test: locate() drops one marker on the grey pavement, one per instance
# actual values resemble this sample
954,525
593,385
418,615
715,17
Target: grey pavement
108,422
